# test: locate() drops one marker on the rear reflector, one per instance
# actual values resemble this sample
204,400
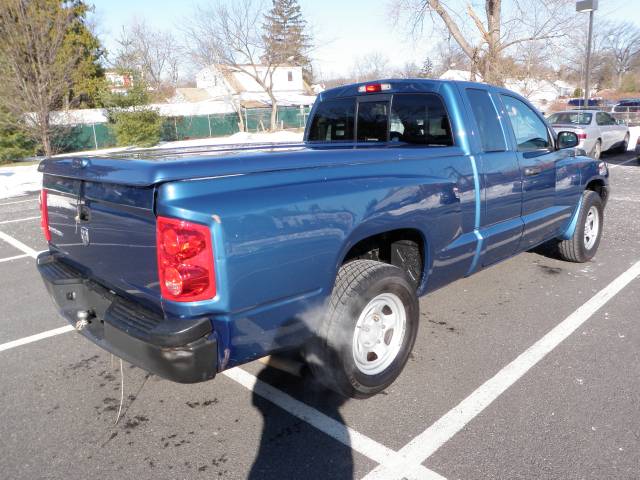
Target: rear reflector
185,260
374,87
44,215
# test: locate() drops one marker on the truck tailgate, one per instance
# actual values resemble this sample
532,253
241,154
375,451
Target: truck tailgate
107,231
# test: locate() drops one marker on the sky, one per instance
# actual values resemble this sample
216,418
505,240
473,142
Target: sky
343,30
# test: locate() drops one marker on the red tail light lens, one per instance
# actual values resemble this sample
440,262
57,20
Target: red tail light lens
581,135
44,215
185,260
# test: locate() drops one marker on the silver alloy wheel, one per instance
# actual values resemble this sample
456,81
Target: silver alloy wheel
597,150
379,333
591,228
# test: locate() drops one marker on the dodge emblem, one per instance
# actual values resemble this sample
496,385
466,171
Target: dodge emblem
84,234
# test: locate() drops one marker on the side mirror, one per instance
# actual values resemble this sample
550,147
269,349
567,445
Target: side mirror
567,140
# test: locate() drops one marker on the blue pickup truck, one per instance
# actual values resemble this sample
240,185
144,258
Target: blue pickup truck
192,261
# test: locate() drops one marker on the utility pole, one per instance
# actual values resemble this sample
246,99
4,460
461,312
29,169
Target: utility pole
590,6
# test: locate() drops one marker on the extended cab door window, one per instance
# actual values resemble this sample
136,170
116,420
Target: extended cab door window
333,121
486,116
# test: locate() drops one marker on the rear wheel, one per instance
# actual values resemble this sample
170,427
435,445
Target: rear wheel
369,329
582,246
597,150
625,144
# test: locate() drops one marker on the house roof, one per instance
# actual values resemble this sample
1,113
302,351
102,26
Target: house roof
193,94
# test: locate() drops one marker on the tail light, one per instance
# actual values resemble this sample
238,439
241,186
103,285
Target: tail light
581,135
44,215
185,260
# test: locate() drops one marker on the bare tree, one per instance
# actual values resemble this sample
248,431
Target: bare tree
486,37
154,54
372,66
35,67
231,37
622,42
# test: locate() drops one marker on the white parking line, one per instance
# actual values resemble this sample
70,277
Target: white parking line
338,431
614,165
19,220
20,201
16,257
429,441
35,338
18,244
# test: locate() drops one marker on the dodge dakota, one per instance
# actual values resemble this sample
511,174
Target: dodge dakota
187,262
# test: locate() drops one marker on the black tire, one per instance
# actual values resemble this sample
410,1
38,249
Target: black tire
574,249
596,153
330,354
624,145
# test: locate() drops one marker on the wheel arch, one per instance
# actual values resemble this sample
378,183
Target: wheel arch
405,247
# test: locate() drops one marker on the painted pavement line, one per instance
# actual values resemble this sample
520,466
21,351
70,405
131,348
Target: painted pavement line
428,442
18,244
34,338
17,220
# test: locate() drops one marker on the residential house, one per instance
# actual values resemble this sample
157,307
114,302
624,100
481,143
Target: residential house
235,84
119,82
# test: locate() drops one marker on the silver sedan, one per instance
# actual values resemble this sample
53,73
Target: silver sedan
597,131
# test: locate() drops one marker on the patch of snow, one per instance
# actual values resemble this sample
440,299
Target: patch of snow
633,138
16,181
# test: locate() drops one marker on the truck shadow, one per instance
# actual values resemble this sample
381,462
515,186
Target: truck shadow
292,448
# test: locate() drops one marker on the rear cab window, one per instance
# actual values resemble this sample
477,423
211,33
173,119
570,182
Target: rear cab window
402,119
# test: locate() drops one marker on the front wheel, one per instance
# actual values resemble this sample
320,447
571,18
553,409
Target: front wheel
584,242
368,331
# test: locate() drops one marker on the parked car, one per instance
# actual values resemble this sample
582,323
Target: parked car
597,131
187,263
627,106
638,149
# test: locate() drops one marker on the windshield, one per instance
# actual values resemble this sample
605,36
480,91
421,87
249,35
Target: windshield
569,118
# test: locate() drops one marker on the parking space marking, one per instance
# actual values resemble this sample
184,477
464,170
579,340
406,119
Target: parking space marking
15,257
18,244
19,201
36,337
614,165
429,441
338,431
16,220
329,426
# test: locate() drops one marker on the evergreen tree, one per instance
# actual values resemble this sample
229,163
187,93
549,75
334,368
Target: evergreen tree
285,36
87,76
426,71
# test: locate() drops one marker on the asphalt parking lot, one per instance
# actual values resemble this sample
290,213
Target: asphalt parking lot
529,369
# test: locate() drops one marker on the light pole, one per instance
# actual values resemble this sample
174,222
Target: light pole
587,6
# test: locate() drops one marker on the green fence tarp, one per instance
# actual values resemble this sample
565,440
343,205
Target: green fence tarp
99,135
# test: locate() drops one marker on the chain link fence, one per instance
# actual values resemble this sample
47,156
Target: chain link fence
98,135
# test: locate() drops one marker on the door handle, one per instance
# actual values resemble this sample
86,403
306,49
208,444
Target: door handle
529,171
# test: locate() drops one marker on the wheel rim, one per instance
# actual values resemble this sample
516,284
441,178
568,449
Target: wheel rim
591,228
379,333
596,153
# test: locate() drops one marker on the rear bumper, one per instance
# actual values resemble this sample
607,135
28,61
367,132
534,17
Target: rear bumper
182,350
